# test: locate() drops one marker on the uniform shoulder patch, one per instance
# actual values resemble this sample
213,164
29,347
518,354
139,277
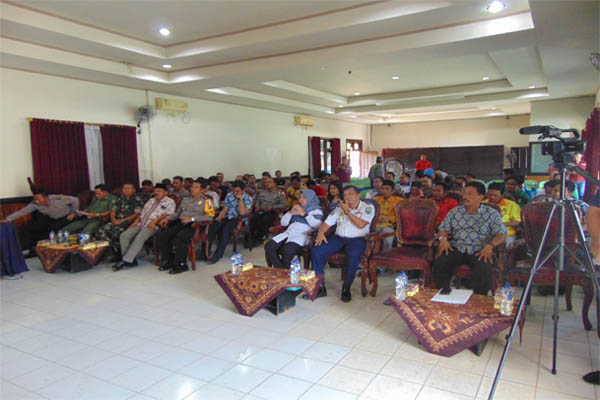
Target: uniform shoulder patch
369,210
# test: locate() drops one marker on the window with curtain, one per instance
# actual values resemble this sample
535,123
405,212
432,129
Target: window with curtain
71,157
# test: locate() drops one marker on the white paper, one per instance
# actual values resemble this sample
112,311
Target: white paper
456,296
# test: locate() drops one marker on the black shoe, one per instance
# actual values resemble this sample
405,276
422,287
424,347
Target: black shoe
321,293
592,377
346,295
119,266
133,263
212,261
179,269
165,267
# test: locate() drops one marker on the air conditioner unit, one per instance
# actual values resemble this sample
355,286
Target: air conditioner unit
171,105
303,121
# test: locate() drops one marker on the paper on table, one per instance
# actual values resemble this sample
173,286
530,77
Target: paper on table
456,296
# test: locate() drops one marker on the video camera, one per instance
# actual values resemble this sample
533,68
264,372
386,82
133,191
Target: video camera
563,148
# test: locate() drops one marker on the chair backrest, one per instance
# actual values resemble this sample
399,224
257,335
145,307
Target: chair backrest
535,216
415,221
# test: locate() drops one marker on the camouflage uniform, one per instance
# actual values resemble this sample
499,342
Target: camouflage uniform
124,208
90,225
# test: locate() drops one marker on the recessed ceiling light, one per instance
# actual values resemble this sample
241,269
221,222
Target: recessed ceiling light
164,31
330,112
495,6
357,93
494,108
395,77
485,78
341,106
167,66
532,87
323,68
352,116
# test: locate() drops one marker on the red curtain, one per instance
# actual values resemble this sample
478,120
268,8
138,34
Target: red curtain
59,156
315,154
591,134
336,157
119,147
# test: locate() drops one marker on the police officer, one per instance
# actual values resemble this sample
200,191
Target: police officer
53,212
101,206
352,219
194,208
124,212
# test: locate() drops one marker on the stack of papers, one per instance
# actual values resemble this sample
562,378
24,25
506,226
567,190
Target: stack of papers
456,296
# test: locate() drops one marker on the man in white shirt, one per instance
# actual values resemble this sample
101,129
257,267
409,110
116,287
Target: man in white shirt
376,191
352,219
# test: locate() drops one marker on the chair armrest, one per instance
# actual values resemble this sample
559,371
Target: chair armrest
277,229
198,228
511,253
374,241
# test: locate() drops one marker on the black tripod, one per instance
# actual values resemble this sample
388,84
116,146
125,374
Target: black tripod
562,206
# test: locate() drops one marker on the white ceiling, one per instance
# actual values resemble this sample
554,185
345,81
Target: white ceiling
311,57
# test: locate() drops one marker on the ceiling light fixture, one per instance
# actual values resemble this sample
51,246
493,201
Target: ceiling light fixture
164,31
323,68
532,87
341,106
357,93
352,116
494,108
167,66
485,78
495,7
395,77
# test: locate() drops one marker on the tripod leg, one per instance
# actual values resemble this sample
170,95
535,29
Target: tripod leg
536,266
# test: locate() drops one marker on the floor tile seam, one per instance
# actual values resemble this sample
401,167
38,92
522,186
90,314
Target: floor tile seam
23,387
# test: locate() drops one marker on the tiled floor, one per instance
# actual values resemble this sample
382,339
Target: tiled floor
144,334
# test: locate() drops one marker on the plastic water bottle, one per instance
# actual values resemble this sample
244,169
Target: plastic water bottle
234,264
507,297
52,237
498,298
240,259
401,283
59,237
295,268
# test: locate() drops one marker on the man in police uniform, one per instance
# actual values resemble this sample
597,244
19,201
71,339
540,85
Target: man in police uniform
352,219
53,212
92,219
194,208
124,212
269,203
178,189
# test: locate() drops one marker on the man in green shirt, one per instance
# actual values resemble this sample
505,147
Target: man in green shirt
91,219
126,209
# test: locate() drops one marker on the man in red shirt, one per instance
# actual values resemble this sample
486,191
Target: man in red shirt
445,203
319,190
344,170
423,163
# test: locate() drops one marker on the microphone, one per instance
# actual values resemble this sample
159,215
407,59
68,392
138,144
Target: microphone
536,129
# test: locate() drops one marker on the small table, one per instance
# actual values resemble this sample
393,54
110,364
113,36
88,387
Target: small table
260,286
71,257
446,329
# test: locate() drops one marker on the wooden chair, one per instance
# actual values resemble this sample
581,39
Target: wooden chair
340,258
535,217
200,237
415,230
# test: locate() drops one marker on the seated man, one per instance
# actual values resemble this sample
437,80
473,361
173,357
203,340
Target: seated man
580,205
101,205
318,189
218,188
376,191
144,226
147,191
403,187
124,212
426,186
178,189
54,211
263,179
279,179
352,219
511,212
252,186
387,212
301,221
194,208
468,235
187,183
445,203
293,191
237,203
269,203
512,187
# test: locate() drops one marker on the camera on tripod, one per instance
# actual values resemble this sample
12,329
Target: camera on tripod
562,149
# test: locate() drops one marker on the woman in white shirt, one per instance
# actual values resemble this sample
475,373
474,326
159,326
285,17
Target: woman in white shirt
301,221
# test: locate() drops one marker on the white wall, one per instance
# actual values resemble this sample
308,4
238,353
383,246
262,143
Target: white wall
563,113
467,132
224,137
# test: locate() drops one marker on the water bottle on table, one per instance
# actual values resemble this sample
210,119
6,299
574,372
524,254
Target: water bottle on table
401,283
234,264
295,268
507,299
52,238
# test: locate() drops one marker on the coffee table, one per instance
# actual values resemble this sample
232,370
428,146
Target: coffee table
71,257
447,329
263,287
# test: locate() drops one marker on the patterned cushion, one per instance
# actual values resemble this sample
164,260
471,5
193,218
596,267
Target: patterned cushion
415,222
413,257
